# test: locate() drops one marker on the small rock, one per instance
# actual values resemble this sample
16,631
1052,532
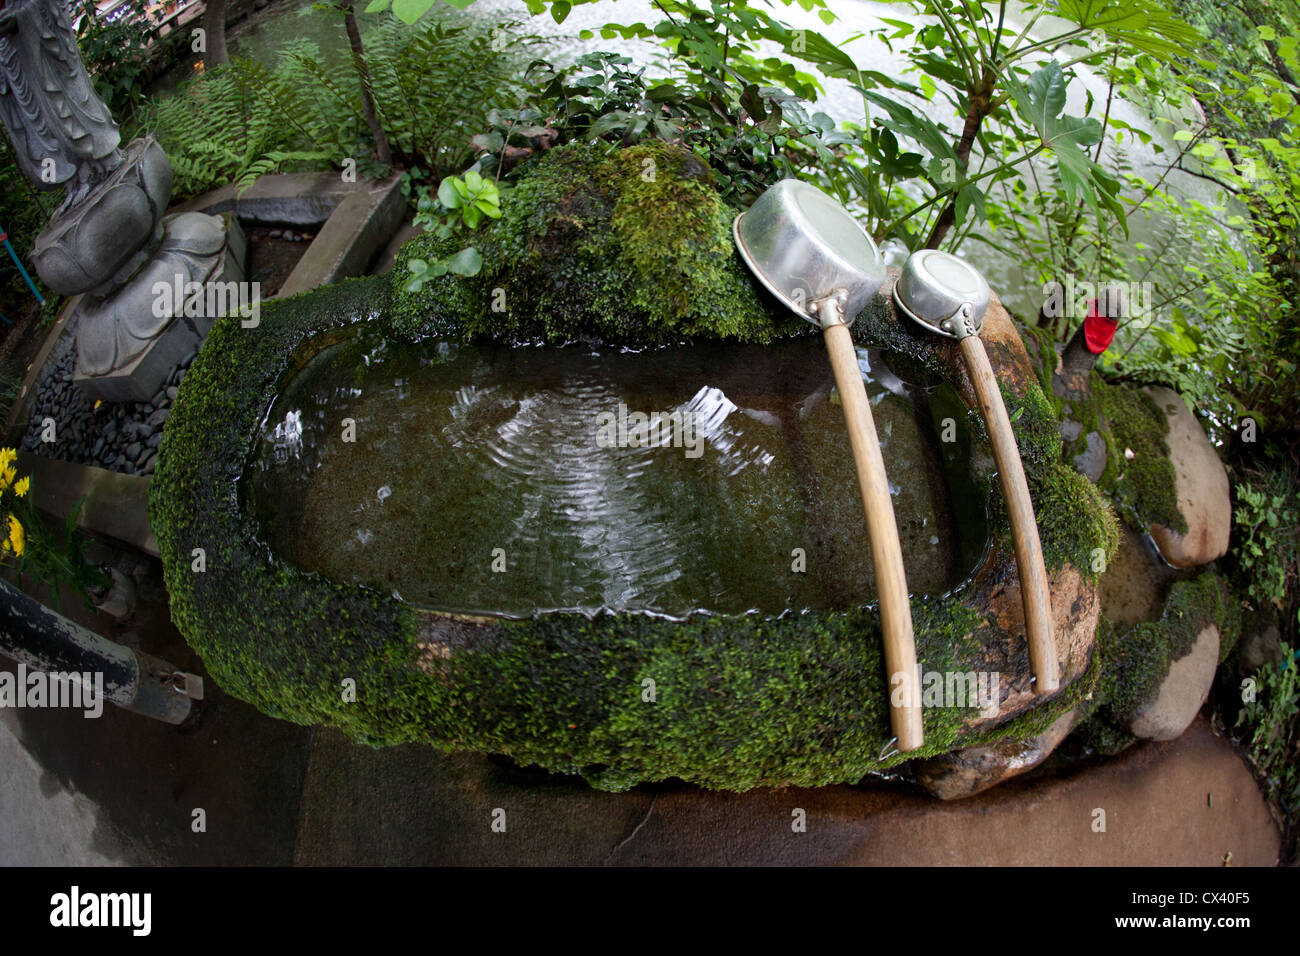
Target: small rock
121,598
1260,647
154,440
133,451
172,392
158,418
964,773
1182,693
1070,430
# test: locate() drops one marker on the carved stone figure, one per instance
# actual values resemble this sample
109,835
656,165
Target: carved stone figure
110,239
61,130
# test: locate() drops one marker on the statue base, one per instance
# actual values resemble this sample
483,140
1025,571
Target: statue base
129,343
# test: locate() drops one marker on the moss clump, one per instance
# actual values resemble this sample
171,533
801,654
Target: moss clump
1034,421
631,247
1075,523
1144,486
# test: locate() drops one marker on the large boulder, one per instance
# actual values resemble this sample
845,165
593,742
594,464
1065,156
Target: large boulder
1202,486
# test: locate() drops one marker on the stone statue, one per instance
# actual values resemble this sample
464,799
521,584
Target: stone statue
61,130
110,239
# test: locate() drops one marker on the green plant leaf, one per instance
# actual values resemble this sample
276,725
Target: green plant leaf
1143,25
447,194
408,11
905,121
467,262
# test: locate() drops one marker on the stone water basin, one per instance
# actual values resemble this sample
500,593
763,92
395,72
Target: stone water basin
650,621
490,479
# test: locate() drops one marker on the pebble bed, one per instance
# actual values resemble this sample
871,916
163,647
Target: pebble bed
119,436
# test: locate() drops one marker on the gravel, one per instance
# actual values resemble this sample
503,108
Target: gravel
119,436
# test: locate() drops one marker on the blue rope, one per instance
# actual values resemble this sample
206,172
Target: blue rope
18,262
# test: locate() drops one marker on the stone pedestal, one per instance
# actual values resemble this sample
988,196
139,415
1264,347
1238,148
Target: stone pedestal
129,343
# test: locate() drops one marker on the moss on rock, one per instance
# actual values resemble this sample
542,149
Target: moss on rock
1144,486
1136,660
631,247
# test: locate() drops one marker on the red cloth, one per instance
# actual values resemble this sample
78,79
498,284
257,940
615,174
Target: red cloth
1098,329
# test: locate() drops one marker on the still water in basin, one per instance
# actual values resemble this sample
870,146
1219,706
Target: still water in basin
518,480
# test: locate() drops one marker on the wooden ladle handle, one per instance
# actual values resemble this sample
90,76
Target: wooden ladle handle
1024,526
886,552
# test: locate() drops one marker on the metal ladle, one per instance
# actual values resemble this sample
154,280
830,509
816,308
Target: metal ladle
810,253
949,296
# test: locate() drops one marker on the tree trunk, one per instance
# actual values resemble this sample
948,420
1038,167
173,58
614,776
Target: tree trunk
214,31
382,150
980,106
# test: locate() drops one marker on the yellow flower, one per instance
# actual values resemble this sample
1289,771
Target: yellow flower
7,456
17,540
7,476
20,489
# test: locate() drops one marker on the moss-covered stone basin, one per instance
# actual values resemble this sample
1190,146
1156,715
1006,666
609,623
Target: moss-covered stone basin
724,700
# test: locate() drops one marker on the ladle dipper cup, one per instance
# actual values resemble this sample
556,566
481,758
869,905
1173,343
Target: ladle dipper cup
949,296
810,253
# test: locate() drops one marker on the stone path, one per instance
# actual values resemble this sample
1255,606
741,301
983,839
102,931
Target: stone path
1189,802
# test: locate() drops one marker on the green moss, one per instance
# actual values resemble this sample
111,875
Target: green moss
739,701
1143,486
1075,523
1036,426
630,247
1041,346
